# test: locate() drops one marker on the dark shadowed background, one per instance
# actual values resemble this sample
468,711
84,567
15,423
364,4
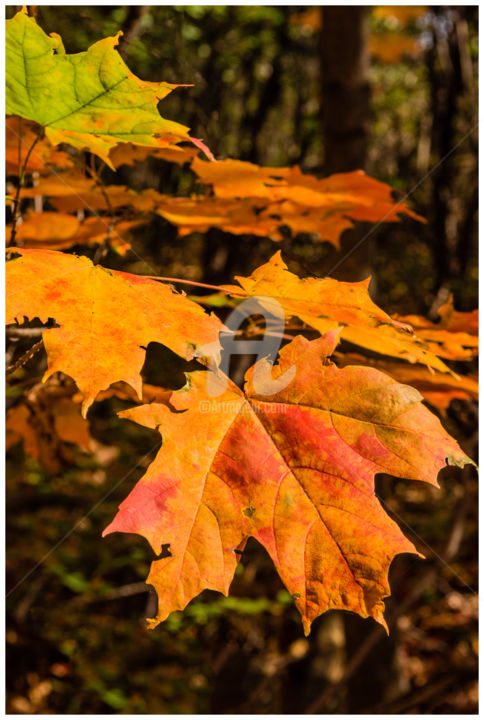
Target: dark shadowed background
392,91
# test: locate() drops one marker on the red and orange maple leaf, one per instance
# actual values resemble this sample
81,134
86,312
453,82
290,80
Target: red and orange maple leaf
295,471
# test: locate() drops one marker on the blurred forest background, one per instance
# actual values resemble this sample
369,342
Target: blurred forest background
392,90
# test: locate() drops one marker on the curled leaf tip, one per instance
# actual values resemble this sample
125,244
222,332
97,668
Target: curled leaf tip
459,462
205,149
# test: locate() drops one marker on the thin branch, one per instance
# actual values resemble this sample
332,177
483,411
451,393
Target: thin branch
131,26
16,202
26,603
99,183
20,126
24,358
196,284
129,590
415,697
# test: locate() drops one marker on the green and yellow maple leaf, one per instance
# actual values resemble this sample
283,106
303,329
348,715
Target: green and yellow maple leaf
89,99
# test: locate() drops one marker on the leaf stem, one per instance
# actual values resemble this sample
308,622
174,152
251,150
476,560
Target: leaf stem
20,126
196,284
16,201
102,246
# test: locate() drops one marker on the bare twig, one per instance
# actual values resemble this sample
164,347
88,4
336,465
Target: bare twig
403,705
26,603
196,284
124,591
24,358
16,201
110,226
20,126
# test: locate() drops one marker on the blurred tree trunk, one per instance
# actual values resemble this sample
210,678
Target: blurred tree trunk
345,88
454,202
346,118
131,26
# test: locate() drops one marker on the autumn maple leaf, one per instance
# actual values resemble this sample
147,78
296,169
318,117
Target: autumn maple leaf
19,137
454,337
57,231
325,303
83,299
294,470
89,99
261,200
48,420
71,191
438,389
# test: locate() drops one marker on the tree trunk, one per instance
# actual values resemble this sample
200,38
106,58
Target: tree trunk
346,121
345,87
346,126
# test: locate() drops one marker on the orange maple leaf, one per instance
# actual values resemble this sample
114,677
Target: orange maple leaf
20,135
83,299
295,471
71,191
284,196
128,154
325,303
57,231
454,337
48,420
197,214
438,389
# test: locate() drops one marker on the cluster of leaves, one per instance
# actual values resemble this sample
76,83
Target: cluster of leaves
244,199
294,470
